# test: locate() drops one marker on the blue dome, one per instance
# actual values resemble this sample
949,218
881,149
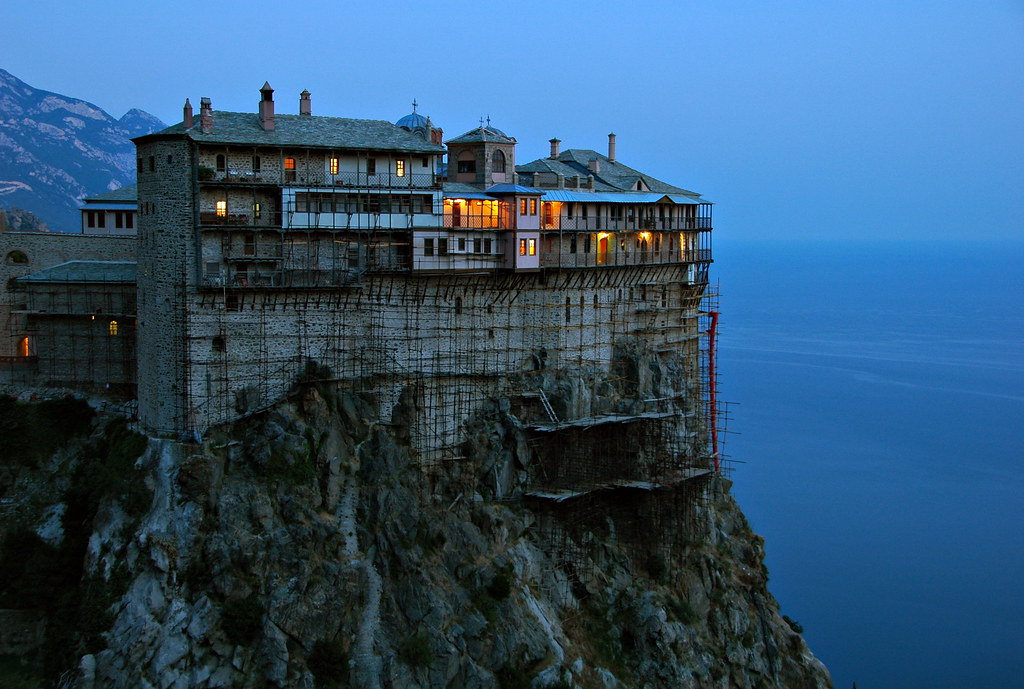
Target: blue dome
412,121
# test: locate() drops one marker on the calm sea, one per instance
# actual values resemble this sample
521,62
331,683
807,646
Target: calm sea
880,450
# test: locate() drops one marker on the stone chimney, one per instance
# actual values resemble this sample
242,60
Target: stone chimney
305,104
595,165
186,114
611,148
205,115
267,107
554,147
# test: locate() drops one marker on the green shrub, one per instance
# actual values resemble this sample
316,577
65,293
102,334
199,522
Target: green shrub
32,432
329,664
415,650
681,610
793,624
242,620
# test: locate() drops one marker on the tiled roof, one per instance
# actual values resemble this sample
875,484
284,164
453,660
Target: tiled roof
128,194
483,134
512,189
613,176
86,271
302,131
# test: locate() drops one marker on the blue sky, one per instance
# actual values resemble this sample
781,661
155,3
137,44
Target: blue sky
867,120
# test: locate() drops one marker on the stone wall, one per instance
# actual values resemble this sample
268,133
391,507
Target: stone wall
44,250
442,344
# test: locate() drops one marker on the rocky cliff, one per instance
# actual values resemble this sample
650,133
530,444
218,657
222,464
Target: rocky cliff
55,150
304,546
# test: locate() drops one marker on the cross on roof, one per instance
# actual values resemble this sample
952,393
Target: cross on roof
414,104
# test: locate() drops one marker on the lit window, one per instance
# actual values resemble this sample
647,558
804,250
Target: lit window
222,209
289,163
400,168
533,247
112,328
334,166
522,247
257,210
522,206
533,206
24,347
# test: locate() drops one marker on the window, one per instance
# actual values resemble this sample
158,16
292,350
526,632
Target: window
250,245
119,220
256,164
140,167
96,218
586,243
522,247
572,243
371,166
219,343
334,166
477,245
257,210
533,206
222,162
487,245
424,162
152,163
289,163
533,247
400,168
112,328
498,162
24,347
522,206
442,246
467,162
428,246
129,220
462,243
222,209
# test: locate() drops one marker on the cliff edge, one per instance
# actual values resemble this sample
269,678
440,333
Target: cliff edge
303,546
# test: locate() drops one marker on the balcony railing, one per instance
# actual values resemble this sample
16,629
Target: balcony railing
550,259
318,178
606,224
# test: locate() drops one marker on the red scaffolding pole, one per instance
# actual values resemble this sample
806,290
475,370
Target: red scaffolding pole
713,388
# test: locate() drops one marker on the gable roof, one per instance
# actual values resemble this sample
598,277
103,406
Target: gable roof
612,176
483,134
301,131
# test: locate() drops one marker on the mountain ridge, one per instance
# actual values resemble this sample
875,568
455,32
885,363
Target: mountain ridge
55,150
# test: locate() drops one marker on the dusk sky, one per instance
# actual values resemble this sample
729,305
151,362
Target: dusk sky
800,119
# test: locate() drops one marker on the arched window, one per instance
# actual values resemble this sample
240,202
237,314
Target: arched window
498,162
112,328
17,258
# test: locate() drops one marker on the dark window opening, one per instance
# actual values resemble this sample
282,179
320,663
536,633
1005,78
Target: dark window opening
222,162
219,343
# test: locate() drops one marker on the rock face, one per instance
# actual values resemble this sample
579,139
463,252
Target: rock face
304,547
55,150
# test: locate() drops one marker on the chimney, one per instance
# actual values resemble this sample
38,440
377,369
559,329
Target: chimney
611,148
305,104
554,148
187,114
595,165
267,107
205,115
